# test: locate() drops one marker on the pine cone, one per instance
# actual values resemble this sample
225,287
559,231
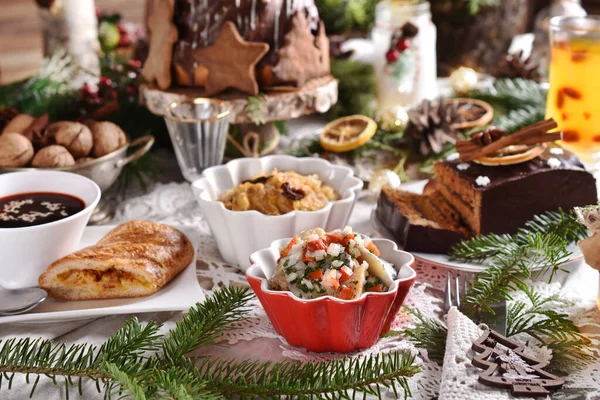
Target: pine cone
6,114
430,125
515,66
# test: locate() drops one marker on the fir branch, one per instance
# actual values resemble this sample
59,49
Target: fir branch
429,334
541,244
125,379
512,94
122,363
322,380
520,118
256,109
482,247
204,322
538,319
180,383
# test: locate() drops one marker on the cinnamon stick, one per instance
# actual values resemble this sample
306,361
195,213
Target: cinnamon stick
466,146
529,133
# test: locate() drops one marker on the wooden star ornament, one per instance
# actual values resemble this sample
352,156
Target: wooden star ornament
231,61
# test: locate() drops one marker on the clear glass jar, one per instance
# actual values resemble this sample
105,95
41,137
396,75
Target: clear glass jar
413,77
541,29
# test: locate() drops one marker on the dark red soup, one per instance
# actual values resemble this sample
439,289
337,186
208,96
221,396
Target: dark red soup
30,209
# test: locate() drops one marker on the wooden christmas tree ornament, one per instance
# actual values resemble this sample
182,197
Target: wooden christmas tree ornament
507,366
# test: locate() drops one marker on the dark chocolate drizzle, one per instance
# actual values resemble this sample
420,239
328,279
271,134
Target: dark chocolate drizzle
199,23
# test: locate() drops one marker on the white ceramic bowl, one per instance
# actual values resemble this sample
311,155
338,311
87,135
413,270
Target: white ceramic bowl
240,233
27,252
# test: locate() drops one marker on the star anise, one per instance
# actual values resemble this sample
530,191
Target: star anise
430,125
487,136
516,66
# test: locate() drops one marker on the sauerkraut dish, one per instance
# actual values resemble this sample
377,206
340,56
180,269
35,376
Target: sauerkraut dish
278,193
340,263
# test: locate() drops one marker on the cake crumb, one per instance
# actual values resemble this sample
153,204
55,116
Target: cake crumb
482,181
452,157
462,166
557,151
554,162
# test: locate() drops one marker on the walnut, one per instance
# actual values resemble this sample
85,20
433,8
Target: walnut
18,124
108,137
53,156
75,137
84,160
15,150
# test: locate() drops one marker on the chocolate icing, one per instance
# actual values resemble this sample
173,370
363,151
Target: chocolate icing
411,237
199,23
514,195
518,192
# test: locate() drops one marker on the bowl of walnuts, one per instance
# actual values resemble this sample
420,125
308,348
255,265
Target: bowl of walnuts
95,149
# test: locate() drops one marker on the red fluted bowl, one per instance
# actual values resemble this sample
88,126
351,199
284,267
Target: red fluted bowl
328,324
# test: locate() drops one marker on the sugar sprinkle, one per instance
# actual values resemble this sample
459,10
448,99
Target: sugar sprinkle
554,162
452,156
482,181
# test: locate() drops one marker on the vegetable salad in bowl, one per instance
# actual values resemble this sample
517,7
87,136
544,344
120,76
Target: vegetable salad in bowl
340,263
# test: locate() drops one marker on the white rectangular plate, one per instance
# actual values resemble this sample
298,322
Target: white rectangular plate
180,294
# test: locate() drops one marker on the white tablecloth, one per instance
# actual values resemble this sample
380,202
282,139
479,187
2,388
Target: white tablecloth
255,338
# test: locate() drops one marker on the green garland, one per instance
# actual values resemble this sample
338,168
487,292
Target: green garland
540,244
141,363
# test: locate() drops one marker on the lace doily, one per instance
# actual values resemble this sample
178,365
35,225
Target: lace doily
175,204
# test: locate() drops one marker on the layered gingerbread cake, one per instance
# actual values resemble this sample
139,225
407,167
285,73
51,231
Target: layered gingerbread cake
422,223
500,199
236,44
490,188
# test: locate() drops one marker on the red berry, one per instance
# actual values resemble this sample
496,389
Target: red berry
122,29
392,55
105,81
124,40
114,94
402,44
85,89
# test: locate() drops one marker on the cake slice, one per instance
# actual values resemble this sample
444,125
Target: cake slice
421,223
501,198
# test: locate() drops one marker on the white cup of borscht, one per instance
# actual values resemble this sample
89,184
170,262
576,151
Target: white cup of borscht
42,217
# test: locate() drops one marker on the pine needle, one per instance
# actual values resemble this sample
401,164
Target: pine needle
429,334
512,94
137,362
204,322
538,319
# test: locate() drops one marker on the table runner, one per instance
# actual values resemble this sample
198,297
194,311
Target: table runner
255,338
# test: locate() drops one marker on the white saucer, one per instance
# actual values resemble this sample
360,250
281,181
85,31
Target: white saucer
442,259
180,294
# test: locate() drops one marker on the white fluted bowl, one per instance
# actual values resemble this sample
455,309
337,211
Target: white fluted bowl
241,233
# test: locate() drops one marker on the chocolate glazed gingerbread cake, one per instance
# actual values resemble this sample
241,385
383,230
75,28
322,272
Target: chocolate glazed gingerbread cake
272,43
495,184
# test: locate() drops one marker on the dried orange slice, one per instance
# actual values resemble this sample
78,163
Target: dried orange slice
515,154
347,133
